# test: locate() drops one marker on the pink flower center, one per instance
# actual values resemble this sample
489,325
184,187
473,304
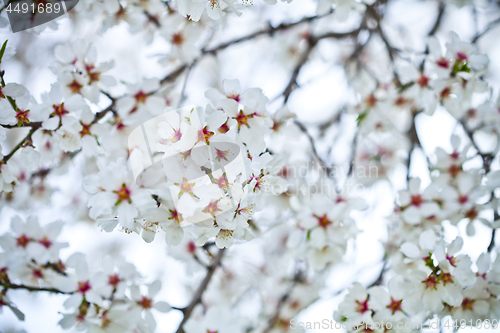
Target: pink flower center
204,134
177,38
223,183
371,101
22,240
462,56
177,135
454,170
362,307
235,97
211,208
140,97
443,63
416,200
452,260
423,81
75,87
430,282
221,154
174,215
395,305
462,199
146,303
471,214
45,242
186,187
191,247
37,274
446,278
114,280
59,110
83,287
123,194
323,221
85,130
242,119
224,128
22,116
467,304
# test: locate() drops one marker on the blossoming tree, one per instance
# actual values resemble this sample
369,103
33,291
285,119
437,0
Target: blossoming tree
262,202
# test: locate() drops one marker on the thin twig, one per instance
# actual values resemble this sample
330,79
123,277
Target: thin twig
201,289
488,28
8,285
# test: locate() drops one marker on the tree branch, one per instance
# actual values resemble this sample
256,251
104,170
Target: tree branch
201,289
8,285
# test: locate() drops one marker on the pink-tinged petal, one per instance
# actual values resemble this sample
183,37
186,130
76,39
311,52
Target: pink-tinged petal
483,263
135,293
162,306
379,298
410,250
174,235
150,320
427,240
414,185
51,123
107,225
93,297
14,90
68,321
155,105
455,246
73,301
214,96
481,307
125,105
411,215
398,287
231,87
317,238
150,85
154,288
52,230
429,209
470,229
126,214
148,235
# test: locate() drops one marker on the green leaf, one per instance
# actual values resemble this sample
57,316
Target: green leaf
2,50
361,117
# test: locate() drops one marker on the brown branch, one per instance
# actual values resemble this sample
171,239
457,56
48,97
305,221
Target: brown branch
298,278
488,28
414,143
292,83
353,154
432,32
438,21
201,289
267,31
491,246
313,146
8,285
26,139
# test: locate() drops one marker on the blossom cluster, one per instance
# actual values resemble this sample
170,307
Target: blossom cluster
112,298
221,181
